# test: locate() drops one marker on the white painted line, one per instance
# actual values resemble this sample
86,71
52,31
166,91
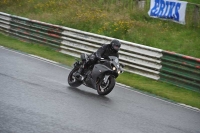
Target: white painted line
41,58
188,106
28,55
118,84
177,104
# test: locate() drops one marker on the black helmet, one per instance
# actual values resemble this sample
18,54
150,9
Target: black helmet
115,45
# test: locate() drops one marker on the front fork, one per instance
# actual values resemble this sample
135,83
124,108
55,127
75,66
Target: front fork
105,79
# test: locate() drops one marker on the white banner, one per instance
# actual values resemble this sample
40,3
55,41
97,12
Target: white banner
168,9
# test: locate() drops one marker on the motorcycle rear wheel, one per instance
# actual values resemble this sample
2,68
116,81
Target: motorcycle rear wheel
106,89
72,81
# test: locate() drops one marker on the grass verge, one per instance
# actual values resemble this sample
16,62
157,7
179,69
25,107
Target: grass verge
120,19
157,88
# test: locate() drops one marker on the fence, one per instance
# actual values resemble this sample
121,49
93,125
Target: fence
139,59
180,70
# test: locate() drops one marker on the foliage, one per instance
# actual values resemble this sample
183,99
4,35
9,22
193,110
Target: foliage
114,18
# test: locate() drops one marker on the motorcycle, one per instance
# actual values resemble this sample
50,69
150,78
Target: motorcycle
100,76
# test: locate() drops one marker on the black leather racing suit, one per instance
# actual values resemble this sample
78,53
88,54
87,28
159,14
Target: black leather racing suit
103,52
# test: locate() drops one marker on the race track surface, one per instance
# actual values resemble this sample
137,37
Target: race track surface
36,98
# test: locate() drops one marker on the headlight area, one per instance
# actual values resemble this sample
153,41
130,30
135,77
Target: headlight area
119,71
113,67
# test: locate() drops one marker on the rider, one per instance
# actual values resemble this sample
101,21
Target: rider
103,52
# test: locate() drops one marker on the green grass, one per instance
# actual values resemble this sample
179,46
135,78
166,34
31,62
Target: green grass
154,87
161,89
36,49
114,18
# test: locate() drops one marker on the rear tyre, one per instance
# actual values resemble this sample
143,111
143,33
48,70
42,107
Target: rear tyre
72,81
106,88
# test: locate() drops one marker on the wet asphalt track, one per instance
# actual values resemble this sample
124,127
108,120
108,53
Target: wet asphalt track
36,98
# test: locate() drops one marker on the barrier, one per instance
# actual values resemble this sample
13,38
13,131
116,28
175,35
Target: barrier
181,70
139,59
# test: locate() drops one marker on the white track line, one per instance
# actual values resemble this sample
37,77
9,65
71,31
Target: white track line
118,84
36,57
41,58
177,104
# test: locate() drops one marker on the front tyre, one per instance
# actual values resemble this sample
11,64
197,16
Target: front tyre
72,81
106,88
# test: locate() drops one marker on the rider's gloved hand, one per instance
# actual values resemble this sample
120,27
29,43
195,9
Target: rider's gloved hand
98,58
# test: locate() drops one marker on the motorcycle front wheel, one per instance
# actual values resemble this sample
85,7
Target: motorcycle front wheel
72,81
106,88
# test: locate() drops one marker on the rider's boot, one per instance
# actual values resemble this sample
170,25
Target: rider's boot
79,74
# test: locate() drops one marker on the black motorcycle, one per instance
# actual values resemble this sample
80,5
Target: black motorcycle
100,76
